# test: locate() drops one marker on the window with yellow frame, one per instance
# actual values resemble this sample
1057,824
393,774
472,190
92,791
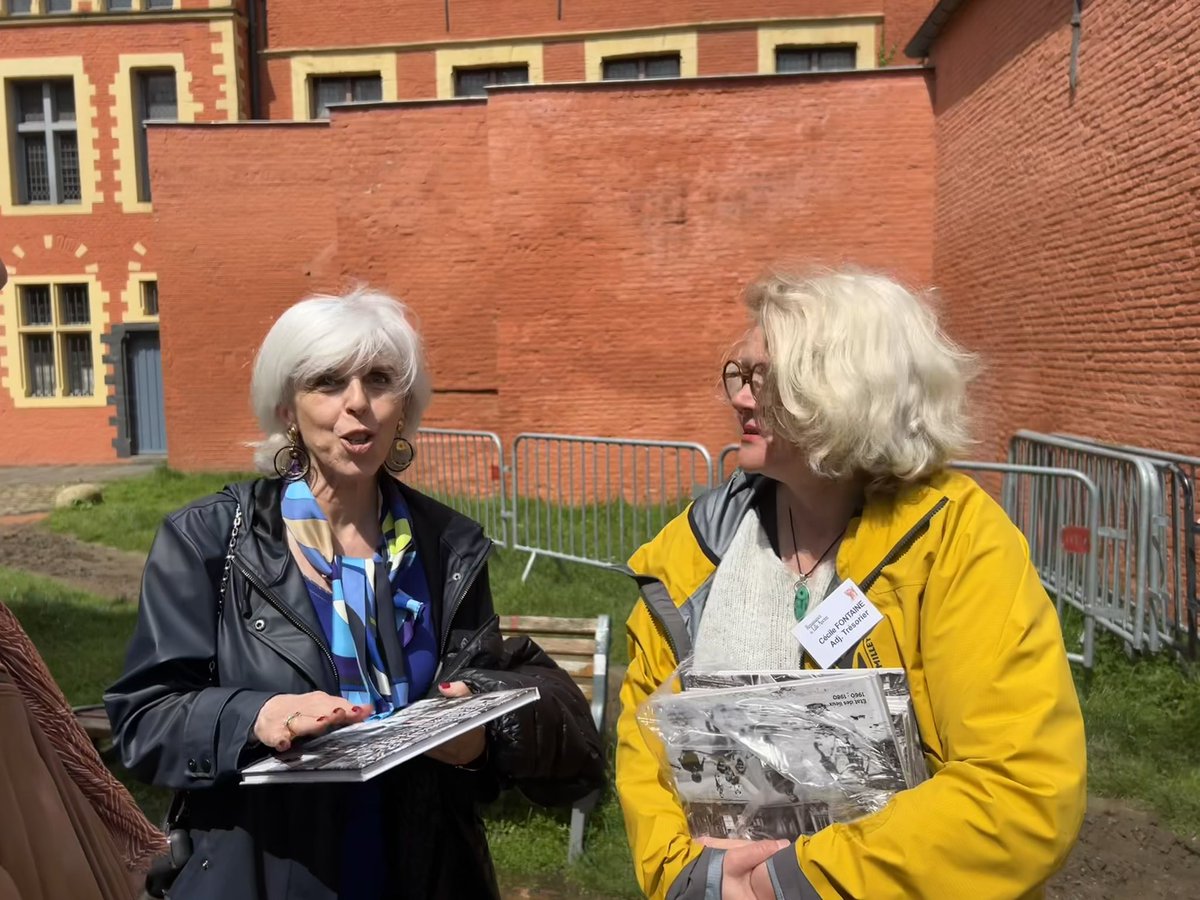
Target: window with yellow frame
55,340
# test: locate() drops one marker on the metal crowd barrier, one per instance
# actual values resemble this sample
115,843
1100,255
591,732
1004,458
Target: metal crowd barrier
1174,542
1130,598
726,463
595,500
1058,512
466,471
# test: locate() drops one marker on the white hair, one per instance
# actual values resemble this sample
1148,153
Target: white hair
860,376
324,334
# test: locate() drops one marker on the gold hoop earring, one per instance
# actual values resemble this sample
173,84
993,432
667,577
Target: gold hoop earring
292,462
402,454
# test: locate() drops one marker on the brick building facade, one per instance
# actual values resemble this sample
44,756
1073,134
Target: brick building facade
1068,214
82,232
575,246
559,287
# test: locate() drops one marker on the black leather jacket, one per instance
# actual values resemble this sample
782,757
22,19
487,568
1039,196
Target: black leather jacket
196,676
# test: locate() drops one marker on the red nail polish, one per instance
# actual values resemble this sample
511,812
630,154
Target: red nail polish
445,685
355,708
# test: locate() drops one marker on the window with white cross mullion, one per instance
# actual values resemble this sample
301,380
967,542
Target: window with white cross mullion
47,140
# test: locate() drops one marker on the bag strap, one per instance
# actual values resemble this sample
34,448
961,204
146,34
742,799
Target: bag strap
179,800
233,536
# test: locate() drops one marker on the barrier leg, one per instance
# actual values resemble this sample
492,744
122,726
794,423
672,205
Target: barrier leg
528,566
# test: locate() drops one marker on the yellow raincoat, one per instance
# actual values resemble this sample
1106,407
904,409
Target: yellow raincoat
966,615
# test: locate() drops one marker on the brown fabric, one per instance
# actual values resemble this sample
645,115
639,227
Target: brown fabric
137,841
52,843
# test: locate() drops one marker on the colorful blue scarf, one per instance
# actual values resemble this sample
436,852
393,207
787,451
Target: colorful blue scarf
367,637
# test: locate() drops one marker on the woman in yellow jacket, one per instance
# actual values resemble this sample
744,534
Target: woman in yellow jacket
850,403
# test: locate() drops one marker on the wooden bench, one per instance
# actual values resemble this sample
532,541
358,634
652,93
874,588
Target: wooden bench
580,647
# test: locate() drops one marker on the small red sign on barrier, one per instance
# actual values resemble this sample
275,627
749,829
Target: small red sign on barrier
1076,539
495,471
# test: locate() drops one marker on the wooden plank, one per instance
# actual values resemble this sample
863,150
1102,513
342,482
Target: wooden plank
577,668
95,723
547,625
557,647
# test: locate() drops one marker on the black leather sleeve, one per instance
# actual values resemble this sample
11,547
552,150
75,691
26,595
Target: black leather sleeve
549,749
171,725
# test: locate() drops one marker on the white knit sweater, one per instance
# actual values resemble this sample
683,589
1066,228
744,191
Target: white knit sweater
749,616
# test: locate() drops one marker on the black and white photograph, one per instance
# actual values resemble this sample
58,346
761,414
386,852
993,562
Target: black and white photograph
360,752
780,754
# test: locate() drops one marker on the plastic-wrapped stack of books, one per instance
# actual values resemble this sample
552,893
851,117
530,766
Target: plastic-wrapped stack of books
782,754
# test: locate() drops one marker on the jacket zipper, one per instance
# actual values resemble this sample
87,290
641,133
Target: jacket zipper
283,609
903,545
470,582
661,628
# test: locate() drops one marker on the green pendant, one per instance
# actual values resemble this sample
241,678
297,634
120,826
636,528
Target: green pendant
800,603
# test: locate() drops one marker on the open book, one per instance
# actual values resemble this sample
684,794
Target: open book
362,751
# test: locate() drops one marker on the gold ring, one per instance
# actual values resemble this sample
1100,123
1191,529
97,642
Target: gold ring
288,723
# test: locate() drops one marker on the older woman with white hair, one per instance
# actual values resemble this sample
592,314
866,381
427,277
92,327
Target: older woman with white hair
318,597
850,404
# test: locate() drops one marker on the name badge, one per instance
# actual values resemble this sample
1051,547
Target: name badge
843,619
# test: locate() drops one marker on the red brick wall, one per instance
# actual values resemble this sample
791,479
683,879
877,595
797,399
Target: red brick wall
628,229
416,220
258,236
729,51
277,89
299,24
1067,226
72,435
302,24
575,254
901,19
563,61
416,70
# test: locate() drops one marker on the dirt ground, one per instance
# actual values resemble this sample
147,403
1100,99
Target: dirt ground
1122,852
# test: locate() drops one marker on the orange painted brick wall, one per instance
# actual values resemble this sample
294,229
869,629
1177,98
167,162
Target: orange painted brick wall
85,435
630,226
575,255
1067,224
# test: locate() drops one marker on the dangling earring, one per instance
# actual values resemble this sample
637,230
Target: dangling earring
292,462
401,456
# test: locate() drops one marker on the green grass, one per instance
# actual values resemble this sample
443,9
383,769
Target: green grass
1143,729
133,508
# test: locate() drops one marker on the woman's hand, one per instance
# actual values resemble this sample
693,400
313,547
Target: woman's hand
467,748
745,875
286,717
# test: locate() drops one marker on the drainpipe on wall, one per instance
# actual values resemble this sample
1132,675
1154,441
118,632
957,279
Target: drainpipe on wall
252,38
